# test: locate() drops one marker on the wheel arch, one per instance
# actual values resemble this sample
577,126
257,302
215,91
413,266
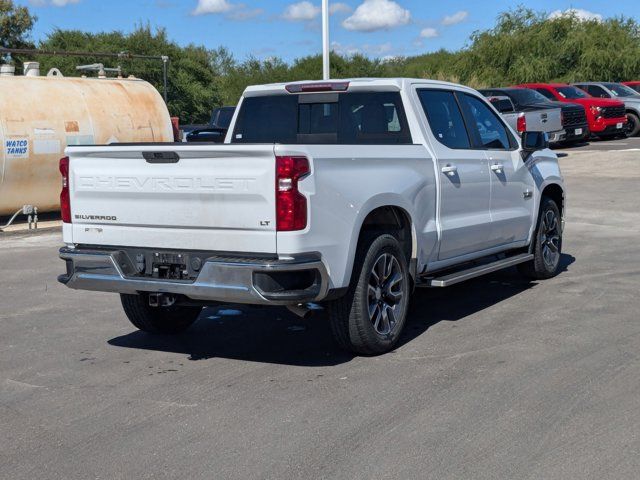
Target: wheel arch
390,215
556,193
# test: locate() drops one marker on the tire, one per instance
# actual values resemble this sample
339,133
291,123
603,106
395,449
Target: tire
633,125
370,317
161,320
547,249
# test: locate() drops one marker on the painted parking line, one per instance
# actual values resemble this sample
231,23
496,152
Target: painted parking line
598,151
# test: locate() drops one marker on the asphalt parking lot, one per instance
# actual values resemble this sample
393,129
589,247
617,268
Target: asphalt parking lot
498,378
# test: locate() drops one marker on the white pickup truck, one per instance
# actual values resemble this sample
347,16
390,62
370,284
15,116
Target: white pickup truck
345,194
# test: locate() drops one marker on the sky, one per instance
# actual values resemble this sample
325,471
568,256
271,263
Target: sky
290,29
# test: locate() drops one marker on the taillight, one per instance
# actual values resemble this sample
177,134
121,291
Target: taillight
291,205
522,123
65,199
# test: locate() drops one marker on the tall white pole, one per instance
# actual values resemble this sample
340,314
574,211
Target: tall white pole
325,40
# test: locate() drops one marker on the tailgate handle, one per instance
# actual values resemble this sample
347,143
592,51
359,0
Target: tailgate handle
161,157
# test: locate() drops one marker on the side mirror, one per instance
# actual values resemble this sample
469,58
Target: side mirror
534,141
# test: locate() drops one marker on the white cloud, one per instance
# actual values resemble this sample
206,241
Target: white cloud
429,33
580,14
339,7
306,11
212,6
232,11
301,12
456,18
374,15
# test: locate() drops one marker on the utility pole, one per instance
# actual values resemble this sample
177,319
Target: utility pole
325,40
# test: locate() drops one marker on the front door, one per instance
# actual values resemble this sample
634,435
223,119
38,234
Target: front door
512,186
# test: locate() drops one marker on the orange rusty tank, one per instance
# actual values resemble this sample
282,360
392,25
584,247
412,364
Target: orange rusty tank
40,116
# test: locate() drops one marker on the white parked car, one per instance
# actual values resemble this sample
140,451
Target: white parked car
347,194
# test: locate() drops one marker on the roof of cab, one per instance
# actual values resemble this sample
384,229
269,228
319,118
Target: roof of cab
354,84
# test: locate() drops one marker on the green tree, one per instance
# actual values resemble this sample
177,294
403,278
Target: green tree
16,24
527,46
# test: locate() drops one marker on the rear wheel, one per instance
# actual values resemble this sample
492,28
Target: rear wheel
547,248
163,320
370,317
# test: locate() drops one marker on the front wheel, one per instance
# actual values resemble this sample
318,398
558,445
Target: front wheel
547,248
633,125
163,320
370,317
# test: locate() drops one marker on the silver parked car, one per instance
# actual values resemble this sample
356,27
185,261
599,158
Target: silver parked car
621,92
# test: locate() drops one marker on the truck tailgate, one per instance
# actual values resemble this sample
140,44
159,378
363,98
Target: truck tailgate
547,120
195,197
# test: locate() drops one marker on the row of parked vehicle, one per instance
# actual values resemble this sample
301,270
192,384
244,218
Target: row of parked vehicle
571,113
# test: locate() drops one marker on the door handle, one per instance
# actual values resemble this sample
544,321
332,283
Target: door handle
496,168
450,170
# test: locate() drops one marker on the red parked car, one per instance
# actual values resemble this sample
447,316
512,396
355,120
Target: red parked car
635,85
607,118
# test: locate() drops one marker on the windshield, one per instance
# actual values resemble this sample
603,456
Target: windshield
572,92
620,90
526,96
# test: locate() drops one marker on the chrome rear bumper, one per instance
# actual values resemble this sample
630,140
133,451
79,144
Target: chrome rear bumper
288,281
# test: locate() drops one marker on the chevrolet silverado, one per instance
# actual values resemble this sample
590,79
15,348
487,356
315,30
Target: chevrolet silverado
344,194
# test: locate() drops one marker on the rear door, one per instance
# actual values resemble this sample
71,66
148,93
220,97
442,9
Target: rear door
464,212
214,198
512,200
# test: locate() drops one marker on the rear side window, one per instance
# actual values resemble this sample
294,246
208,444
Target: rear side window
490,131
445,118
345,118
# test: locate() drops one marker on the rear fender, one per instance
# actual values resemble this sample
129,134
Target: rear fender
379,201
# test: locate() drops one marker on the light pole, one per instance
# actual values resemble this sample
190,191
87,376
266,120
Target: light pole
325,40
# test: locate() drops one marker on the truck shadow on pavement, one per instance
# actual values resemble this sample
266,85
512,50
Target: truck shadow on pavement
274,335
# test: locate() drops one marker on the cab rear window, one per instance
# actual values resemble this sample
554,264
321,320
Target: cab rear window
323,118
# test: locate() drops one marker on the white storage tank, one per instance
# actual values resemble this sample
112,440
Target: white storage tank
40,116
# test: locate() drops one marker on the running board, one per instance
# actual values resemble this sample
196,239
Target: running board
462,275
